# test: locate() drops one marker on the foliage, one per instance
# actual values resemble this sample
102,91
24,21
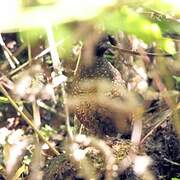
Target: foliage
52,36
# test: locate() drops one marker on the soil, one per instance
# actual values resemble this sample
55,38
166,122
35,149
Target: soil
163,146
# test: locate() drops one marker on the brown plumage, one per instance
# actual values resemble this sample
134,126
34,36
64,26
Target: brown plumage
96,87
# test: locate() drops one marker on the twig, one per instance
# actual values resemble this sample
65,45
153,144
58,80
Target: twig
27,119
47,50
140,53
46,107
172,162
13,72
162,119
156,13
40,55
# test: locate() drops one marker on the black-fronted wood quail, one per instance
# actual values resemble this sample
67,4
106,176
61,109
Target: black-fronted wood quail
95,108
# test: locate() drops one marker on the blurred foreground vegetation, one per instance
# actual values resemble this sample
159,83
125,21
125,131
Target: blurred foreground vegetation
43,44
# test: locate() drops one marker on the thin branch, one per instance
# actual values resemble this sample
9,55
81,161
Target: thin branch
156,13
162,119
39,56
13,72
47,50
140,53
172,162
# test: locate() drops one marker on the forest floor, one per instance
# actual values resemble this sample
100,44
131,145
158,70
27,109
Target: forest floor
162,145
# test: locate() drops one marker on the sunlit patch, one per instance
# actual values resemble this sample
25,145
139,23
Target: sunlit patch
156,30
15,151
57,80
22,86
8,12
175,4
141,82
4,132
141,164
141,72
48,92
45,147
79,154
15,146
169,46
82,139
153,30
142,85
15,136
136,43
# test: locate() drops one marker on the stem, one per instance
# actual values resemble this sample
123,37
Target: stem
9,56
58,70
67,113
53,50
36,114
78,60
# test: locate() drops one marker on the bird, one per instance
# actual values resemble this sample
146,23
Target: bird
97,87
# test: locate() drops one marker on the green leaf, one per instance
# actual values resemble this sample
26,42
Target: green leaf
168,45
4,100
177,78
175,179
64,33
32,35
47,131
127,20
